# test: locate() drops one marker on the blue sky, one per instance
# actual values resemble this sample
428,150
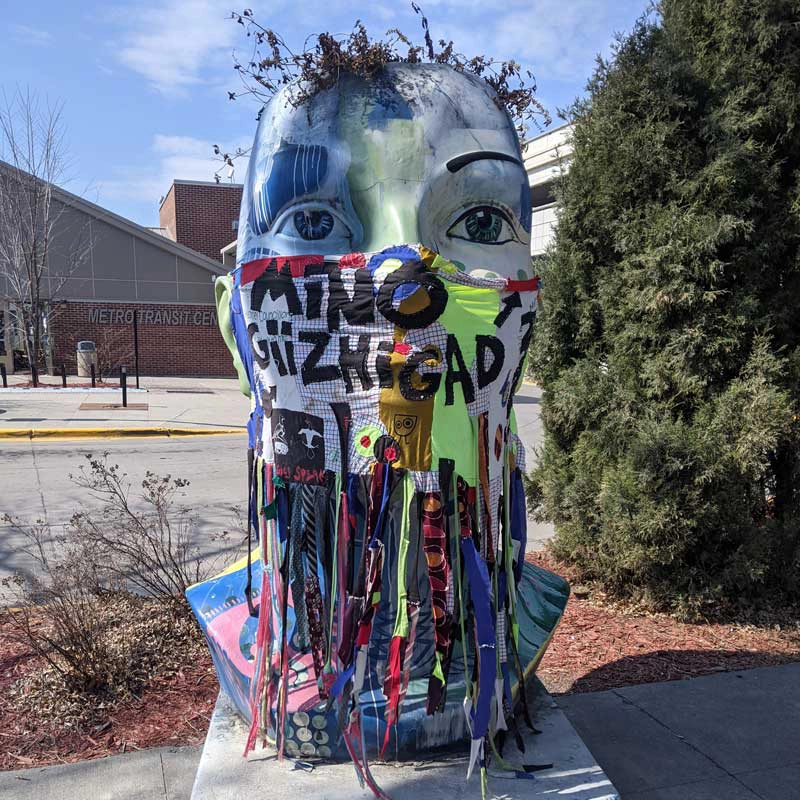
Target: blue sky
144,84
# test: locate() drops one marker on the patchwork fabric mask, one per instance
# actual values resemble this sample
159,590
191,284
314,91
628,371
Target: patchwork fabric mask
387,607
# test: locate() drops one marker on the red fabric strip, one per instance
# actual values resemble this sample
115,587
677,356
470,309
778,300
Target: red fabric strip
363,634
263,646
253,269
530,285
436,554
352,261
297,266
391,684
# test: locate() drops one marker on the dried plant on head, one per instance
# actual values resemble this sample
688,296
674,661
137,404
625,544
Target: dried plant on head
326,57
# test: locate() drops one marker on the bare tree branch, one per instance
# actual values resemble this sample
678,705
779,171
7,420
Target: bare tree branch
33,220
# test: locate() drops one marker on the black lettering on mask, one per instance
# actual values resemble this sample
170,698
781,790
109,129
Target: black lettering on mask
277,284
358,309
383,366
354,360
430,381
288,344
460,375
510,302
255,346
311,372
413,273
485,345
277,357
527,319
313,290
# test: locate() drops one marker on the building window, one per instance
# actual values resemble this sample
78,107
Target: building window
543,228
543,194
235,225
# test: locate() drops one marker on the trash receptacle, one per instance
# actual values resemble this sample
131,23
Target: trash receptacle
87,356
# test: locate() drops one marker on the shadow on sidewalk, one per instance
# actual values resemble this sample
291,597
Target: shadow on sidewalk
673,665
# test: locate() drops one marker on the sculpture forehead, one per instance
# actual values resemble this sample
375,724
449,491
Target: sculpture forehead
429,110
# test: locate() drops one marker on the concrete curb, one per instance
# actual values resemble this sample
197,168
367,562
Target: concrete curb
112,433
56,390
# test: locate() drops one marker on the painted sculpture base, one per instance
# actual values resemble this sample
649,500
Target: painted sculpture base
224,775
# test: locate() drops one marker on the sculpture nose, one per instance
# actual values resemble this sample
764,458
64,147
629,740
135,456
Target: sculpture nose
390,215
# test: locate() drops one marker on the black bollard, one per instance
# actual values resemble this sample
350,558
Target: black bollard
4,375
136,345
63,375
123,382
94,378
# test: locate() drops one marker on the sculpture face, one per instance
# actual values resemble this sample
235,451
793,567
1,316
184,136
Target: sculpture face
380,313
417,155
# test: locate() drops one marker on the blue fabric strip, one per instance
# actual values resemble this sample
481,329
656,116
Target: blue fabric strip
341,680
245,352
519,520
481,591
283,512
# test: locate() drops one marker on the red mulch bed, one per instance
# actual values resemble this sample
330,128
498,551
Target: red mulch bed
594,648
175,713
598,647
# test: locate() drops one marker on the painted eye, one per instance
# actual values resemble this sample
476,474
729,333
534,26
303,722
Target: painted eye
484,225
313,224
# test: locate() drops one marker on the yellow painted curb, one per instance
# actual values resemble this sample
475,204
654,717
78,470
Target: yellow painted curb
112,433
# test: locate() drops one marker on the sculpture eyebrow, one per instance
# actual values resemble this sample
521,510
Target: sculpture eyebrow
459,162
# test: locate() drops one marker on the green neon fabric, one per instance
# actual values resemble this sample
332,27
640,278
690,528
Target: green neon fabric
401,618
470,311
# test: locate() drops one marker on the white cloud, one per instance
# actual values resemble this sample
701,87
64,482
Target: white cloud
36,37
178,43
556,39
188,42
182,43
172,157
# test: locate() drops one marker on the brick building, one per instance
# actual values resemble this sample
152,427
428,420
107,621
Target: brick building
130,269
200,215
174,339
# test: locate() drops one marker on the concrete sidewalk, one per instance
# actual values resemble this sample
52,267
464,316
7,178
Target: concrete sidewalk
164,773
204,403
730,736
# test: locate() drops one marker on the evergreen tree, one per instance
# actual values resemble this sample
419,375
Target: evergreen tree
668,344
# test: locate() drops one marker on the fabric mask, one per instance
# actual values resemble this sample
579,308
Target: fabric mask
386,493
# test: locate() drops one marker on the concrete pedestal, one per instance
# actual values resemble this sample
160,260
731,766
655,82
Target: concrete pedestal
224,775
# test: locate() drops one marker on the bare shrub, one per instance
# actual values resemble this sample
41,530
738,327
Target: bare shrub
96,643
150,548
60,611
